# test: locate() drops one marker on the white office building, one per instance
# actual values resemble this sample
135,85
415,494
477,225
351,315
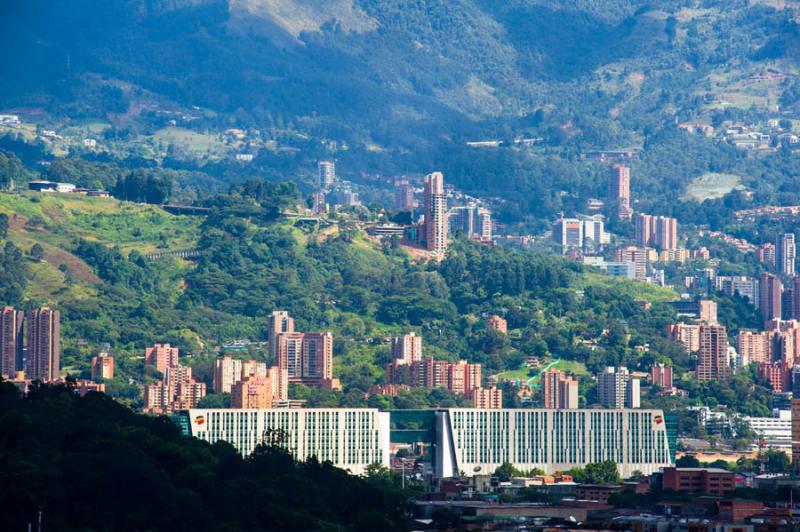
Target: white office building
476,441
349,438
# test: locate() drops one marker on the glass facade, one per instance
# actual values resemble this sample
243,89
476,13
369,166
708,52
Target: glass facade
348,438
553,440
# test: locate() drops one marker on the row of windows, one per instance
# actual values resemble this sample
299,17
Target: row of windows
536,437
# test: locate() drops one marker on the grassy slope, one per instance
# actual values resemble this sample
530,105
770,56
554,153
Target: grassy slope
636,289
58,221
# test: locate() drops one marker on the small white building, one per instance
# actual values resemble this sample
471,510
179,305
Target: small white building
776,430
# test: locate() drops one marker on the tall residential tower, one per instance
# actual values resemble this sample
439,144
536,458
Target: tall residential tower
436,219
44,345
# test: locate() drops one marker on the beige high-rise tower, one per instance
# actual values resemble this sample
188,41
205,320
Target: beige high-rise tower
10,340
44,345
435,213
712,358
279,322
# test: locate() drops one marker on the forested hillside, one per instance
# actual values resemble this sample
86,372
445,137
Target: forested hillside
87,257
89,463
397,87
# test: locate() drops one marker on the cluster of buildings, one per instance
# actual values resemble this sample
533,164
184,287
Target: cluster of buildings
251,384
583,233
437,222
715,358
660,232
37,354
409,368
781,256
473,221
176,390
656,236
306,357
750,137
330,187
34,353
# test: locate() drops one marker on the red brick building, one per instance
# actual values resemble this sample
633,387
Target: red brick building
708,481
736,511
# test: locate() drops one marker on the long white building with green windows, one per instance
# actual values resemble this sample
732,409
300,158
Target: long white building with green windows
349,438
462,441
471,441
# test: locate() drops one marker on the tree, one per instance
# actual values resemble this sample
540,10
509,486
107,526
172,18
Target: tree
687,461
777,462
601,473
445,519
37,252
506,471
3,225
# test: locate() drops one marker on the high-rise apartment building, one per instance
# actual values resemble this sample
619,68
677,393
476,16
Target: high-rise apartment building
486,398
327,173
103,367
497,323
785,252
766,254
11,340
279,322
661,376
261,392
403,195
458,377
471,220
558,390
778,374
754,346
712,358
162,356
307,357
666,233
462,377
660,232
227,372
769,296
636,256
44,345
745,287
616,388
794,303
643,229
687,334
407,348
619,191
707,311
594,231
436,222
176,390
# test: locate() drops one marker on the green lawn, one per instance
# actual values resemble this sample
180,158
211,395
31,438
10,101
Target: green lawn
524,373
638,290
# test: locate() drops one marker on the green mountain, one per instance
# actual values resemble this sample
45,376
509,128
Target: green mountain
390,68
94,263
398,87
